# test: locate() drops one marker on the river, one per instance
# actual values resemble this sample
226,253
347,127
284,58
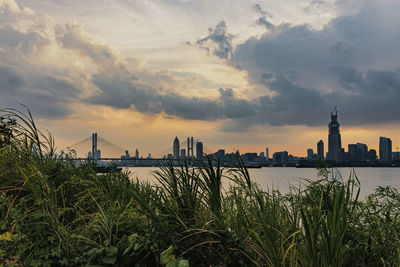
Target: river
282,178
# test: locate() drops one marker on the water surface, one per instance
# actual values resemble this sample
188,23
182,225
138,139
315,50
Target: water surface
282,178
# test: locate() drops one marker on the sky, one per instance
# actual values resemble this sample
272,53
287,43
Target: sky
237,74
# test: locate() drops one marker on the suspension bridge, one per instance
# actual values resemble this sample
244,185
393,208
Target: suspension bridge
105,152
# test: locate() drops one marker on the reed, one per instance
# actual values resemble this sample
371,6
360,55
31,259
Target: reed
54,213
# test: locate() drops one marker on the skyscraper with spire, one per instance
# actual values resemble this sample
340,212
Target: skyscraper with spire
334,139
176,149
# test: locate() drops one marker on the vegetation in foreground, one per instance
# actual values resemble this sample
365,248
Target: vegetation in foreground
54,213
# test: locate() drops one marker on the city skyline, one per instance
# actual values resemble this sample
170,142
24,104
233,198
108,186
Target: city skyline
239,75
335,151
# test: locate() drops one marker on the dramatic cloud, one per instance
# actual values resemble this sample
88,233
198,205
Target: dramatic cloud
218,41
24,75
350,62
297,73
120,89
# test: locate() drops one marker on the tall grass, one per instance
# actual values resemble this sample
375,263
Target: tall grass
55,213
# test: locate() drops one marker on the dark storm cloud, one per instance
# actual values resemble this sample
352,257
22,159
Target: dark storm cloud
351,62
48,97
43,90
218,41
120,89
9,80
307,72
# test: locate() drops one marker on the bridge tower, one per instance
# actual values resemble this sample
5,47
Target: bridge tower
96,153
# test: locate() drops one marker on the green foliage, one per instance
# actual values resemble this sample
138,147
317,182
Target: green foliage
57,213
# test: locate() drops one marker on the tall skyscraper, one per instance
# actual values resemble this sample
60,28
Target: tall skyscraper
267,153
199,149
183,153
320,149
334,139
176,150
137,153
385,149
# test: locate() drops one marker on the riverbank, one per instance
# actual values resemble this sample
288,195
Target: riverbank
56,213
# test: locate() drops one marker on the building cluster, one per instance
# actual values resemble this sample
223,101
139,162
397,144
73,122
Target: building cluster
356,153
182,153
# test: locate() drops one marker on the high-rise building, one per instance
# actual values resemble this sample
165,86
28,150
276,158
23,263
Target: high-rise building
385,149
262,154
267,153
372,155
334,139
183,153
199,149
191,145
362,152
221,154
352,152
176,149
310,153
320,149
137,153
281,157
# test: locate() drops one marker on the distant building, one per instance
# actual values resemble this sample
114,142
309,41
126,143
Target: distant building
280,157
352,152
190,147
262,155
175,149
372,155
342,155
127,154
199,149
385,149
267,153
183,153
250,157
320,149
334,139
310,153
362,152
221,154
137,153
